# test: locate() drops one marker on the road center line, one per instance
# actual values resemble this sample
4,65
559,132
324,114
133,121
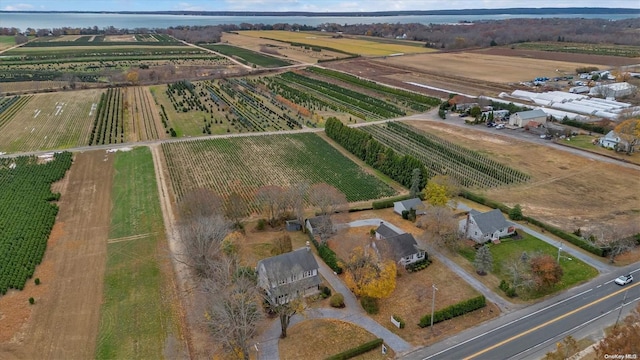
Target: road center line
549,322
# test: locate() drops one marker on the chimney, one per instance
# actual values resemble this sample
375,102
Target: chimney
308,246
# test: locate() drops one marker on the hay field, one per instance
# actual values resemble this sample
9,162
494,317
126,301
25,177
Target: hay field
493,68
346,44
284,49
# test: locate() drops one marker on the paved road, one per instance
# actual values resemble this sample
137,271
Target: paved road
531,332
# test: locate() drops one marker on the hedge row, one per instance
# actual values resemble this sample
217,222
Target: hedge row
328,256
358,350
454,310
575,240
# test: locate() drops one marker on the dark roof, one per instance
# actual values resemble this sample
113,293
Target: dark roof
401,245
414,203
298,260
489,221
386,231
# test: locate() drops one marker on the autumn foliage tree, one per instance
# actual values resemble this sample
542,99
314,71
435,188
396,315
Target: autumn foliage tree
436,194
623,339
545,270
368,277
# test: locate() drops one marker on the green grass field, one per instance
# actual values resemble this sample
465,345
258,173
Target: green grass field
249,56
7,41
575,270
136,315
579,48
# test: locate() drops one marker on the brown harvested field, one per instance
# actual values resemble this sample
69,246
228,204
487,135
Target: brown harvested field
296,53
412,297
566,190
142,120
603,60
486,67
63,323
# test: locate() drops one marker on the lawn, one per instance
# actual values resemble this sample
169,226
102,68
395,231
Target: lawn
137,316
575,270
586,142
7,41
248,56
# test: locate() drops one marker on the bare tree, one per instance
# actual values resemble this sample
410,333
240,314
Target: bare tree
235,208
273,200
232,309
616,238
327,198
202,229
297,194
441,227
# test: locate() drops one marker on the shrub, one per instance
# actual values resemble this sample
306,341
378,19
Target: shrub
399,319
369,304
261,224
337,300
37,281
515,213
328,256
420,265
358,350
326,292
511,292
32,301
454,310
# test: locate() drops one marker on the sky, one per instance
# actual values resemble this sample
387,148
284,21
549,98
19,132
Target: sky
294,5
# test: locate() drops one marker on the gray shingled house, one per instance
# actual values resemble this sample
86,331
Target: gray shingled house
484,227
406,205
398,245
286,276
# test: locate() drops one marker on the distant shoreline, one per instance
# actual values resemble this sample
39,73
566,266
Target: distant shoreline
502,11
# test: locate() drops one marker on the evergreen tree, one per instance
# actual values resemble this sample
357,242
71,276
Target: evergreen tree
416,181
483,261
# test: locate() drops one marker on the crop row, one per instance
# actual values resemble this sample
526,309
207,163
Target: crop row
26,214
362,101
266,160
108,125
468,168
415,101
248,56
7,114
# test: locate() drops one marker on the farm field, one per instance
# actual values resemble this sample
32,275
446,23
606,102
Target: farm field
604,61
63,322
297,53
469,168
248,57
137,314
108,124
27,214
17,87
480,66
279,160
581,48
7,41
360,46
142,119
49,121
562,190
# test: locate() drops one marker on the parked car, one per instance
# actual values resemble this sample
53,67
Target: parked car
463,115
490,124
500,126
624,279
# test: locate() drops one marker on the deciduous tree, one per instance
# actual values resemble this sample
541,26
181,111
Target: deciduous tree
441,227
545,270
273,200
236,208
366,276
436,194
623,339
327,199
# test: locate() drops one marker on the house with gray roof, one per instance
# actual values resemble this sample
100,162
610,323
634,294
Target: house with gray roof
613,141
484,227
393,243
407,205
520,119
287,276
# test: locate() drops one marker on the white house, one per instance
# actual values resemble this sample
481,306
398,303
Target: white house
483,227
402,247
286,276
521,118
407,205
612,141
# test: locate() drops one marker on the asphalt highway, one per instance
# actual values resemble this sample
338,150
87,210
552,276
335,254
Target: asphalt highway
524,333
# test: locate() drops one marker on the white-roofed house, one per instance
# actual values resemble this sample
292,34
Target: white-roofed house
521,118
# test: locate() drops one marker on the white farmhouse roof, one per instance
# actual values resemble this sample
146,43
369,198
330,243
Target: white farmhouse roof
531,114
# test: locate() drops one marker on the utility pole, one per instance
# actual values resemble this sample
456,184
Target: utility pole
433,305
559,250
621,306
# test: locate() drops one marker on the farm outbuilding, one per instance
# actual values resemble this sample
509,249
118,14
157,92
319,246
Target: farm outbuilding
521,118
614,90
